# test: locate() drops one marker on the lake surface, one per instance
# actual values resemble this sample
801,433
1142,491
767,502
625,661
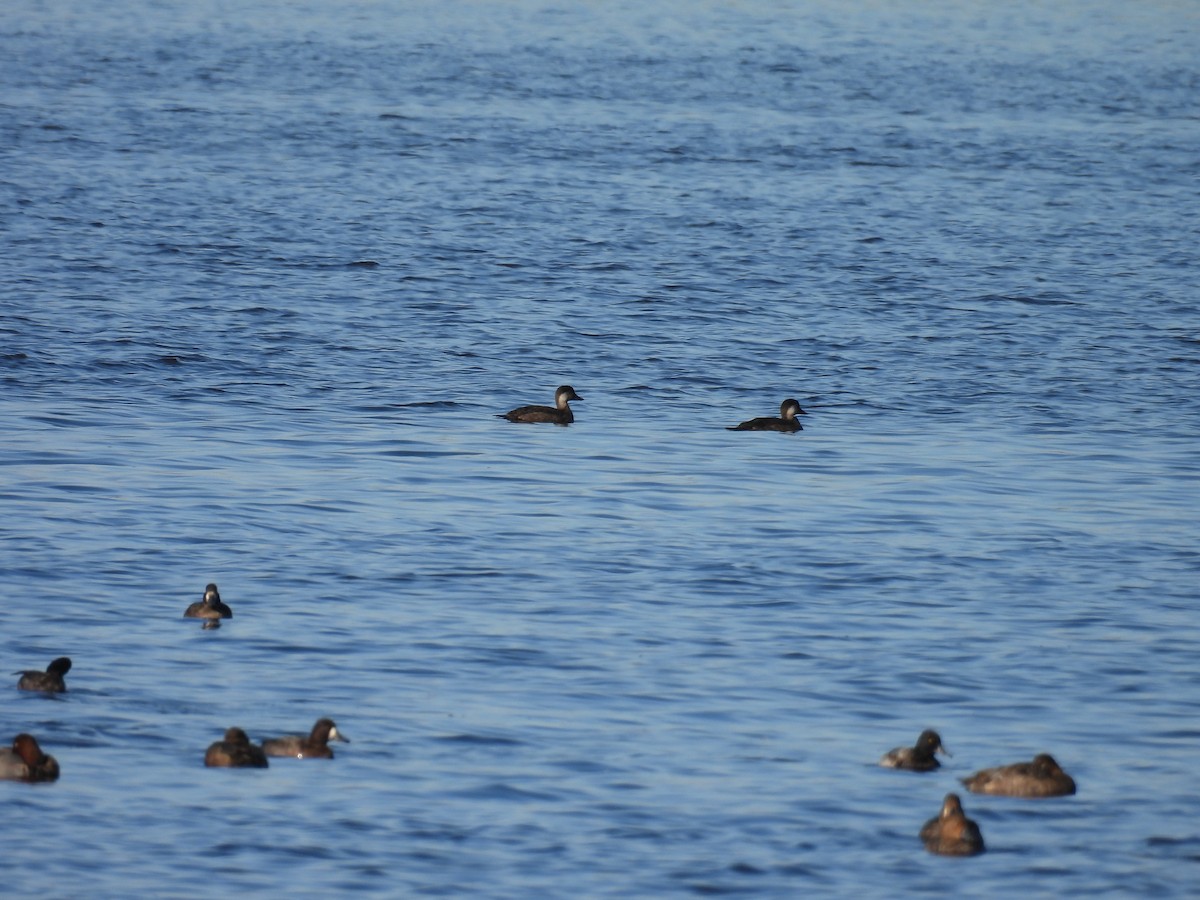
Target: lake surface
269,275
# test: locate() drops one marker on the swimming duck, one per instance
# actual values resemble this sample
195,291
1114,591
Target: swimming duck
235,751
951,833
210,607
787,421
26,761
559,414
1043,777
918,758
50,681
314,745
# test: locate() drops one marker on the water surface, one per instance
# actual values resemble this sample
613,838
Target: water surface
269,276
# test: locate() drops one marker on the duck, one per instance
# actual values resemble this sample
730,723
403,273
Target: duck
1041,777
25,761
950,832
235,752
559,414
50,681
787,421
314,745
918,758
210,607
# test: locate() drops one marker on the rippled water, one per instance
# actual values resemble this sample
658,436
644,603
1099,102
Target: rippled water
269,275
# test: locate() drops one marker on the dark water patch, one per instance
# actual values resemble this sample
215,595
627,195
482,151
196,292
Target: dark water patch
480,740
427,453
500,791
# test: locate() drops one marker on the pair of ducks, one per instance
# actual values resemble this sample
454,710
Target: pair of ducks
51,681
951,833
236,752
560,414
24,760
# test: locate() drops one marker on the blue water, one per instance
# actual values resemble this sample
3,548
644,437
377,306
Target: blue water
268,275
